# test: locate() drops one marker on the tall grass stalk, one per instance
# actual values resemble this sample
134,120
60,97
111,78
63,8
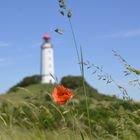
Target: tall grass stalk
75,43
85,92
129,69
81,65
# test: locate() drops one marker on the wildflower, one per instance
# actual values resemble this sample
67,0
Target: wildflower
61,94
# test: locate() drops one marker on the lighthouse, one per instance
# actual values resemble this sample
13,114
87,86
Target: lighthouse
47,61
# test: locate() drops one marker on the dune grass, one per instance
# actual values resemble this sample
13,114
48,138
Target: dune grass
30,113
24,134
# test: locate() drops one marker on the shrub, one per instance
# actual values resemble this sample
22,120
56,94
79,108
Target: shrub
35,79
73,82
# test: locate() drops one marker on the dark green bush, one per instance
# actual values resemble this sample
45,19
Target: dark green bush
73,82
35,79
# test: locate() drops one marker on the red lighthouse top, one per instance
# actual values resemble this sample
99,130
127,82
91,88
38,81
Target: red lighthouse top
46,36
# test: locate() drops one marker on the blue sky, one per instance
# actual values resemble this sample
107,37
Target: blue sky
100,27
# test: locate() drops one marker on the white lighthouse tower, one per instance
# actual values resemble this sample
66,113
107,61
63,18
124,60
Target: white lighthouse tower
47,61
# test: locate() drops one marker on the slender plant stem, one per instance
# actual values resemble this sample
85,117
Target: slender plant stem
85,91
75,43
73,125
81,65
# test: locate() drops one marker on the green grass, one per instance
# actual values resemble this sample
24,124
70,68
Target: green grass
35,134
30,113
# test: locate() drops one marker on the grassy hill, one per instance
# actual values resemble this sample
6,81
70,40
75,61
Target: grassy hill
28,112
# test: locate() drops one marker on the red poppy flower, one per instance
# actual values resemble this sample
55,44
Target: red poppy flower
61,95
